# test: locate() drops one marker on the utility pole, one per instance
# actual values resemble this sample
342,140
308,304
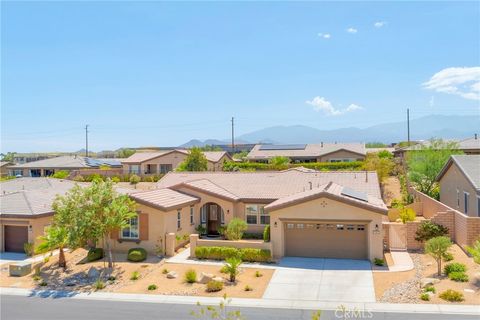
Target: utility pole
408,126
233,135
86,140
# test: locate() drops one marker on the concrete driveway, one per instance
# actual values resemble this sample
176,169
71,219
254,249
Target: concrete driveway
322,280
7,257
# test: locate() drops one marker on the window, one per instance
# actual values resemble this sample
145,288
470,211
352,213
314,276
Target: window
179,219
350,227
222,216
458,199
340,227
465,201
478,206
309,226
164,168
290,225
134,168
254,214
17,172
300,226
360,228
131,232
203,214
191,215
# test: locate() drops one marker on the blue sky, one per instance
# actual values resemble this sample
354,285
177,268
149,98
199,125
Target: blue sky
162,73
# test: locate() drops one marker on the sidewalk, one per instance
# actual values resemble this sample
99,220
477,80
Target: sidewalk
254,303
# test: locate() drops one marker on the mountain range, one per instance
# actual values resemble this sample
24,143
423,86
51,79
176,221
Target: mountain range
438,126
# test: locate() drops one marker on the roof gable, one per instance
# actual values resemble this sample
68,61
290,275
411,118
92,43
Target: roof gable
469,166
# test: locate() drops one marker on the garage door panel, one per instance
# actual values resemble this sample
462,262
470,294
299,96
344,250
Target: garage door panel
326,239
15,238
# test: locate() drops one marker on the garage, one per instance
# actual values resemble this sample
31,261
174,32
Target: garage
15,238
326,239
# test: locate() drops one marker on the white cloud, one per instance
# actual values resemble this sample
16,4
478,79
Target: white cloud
379,24
460,81
322,104
352,30
325,35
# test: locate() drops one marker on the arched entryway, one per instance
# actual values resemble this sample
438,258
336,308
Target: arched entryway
212,217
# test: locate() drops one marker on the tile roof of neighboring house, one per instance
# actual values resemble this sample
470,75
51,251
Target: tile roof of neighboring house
373,150
68,162
472,143
164,199
4,163
278,184
209,187
468,164
261,151
331,190
138,157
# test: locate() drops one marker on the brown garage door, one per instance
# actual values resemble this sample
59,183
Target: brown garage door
15,238
343,239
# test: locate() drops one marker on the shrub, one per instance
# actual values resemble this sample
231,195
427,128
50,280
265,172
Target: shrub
455,267
94,254
214,286
99,285
448,256
379,262
111,278
79,178
425,297
222,253
115,179
135,275
396,203
201,229
248,288
36,277
328,166
475,251
190,276
258,274
137,254
430,289
452,296
266,233
255,255
152,287
94,177
231,267
251,235
235,229
407,214
165,271
62,174
134,179
428,230
458,276
43,283
28,247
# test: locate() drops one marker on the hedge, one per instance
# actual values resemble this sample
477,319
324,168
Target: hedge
321,166
94,254
222,253
137,254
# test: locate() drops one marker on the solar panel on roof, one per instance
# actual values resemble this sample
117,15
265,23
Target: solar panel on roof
354,194
283,147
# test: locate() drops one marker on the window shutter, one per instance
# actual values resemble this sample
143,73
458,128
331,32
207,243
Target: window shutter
143,221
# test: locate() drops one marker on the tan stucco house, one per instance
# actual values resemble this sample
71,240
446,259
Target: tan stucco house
460,184
313,152
161,162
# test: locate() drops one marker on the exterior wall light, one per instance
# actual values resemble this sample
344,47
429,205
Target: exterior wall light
376,230
275,224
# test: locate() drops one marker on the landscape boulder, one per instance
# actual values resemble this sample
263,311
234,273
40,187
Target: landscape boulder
426,282
205,277
172,275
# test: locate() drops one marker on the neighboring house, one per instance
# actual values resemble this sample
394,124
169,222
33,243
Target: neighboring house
321,152
20,158
4,168
460,184
468,146
161,162
47,167
311,213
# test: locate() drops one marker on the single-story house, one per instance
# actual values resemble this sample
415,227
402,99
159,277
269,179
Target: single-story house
4,168
318,152
460,184
161,162
468,146
311,213
47,167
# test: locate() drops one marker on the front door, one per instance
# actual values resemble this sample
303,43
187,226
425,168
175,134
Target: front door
213,218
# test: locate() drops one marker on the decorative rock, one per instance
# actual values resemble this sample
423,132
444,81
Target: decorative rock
428,264
93,273
425,282
172,275
20,269
469,290
205,277
219,279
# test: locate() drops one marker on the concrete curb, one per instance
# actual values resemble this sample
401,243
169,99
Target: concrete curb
253,303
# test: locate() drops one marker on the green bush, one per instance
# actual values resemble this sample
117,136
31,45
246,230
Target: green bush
115,179
99,285
134,179
235,229
430,289
28,248
135,275
428,230
248,288
94,177
214,286
266,233
458,276
190,276
321,166
455,267
425,297
452,296
137,254
94,254
407,214
448,256
79,178
379,262
165,271
258,274
152,287
222,253
62,174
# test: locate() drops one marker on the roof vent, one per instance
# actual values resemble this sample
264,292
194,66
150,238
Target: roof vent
476,136
321,144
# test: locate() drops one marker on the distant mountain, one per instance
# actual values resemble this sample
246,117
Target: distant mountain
438,126
210,142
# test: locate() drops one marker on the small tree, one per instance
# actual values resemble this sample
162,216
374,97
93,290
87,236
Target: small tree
428,230
383,165
235,229
55,237
279,161
231,267
437,248
407,214
134,179
475,251
195,161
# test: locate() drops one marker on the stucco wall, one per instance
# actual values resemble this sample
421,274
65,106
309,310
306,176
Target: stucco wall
333,210
37,228
342,154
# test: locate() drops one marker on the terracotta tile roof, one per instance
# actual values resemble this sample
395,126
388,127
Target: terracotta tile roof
331,190
309,150
209,187
138,157
278,184
164,199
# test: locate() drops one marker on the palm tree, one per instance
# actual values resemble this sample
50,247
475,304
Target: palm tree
56,237
231,267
